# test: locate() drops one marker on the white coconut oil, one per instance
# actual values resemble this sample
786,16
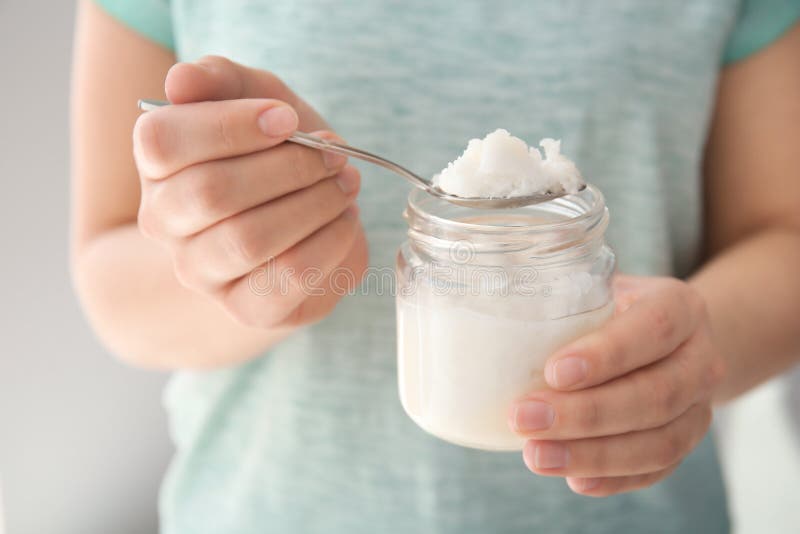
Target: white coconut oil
502,166
463,368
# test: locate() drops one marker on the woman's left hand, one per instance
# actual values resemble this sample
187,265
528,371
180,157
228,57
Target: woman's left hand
630,400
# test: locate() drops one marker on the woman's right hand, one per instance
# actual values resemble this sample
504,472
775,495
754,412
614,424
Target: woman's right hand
267,228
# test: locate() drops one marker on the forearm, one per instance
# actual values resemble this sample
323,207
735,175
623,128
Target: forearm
753,296
143,315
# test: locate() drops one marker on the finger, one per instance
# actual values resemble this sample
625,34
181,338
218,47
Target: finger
169,139
239,244
274,294
633,453
646,398
652,327
606,486
342,281
205,194
218,78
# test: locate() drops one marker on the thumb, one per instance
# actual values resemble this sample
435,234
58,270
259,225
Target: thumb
218,78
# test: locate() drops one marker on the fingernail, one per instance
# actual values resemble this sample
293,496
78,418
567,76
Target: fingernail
567,372
348,181
533,415
278,121
550,455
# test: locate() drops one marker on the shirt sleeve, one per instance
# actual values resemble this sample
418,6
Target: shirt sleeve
150,18
759,24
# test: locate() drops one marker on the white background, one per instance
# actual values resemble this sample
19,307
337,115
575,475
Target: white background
82,439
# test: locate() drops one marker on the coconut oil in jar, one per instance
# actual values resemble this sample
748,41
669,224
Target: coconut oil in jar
484,297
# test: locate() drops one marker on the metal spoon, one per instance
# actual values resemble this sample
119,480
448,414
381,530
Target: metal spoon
415,180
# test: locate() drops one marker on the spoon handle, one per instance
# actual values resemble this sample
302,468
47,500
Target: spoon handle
313,141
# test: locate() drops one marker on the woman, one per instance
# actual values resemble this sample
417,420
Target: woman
283,409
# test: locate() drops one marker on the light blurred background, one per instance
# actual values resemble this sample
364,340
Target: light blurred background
83,440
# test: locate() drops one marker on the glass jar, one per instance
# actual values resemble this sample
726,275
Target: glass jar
484,297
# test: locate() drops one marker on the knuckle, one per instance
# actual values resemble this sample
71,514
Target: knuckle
161,213
273,78
205,193
296,317
341,232
154,196
670,449
185,272
609,351
309,282
219,65
147,222
261,314
717,371
291,274
151,143
263,281
263,319
310,311
243,316
589,418
243,246
226,132
182,274
270,79
276,87
154,203
288,269
230,302
660,323
638,482
666,397
601,459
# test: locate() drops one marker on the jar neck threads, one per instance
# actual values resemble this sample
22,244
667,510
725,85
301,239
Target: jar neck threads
561,230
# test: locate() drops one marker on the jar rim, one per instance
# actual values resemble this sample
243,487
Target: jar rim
588,204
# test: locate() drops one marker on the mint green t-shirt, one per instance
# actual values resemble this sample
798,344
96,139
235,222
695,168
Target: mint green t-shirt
311,436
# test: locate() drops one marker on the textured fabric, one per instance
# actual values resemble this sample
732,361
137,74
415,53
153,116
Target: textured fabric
151,18
311,437
760,22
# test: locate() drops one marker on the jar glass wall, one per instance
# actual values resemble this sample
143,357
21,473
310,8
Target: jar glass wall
484,297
